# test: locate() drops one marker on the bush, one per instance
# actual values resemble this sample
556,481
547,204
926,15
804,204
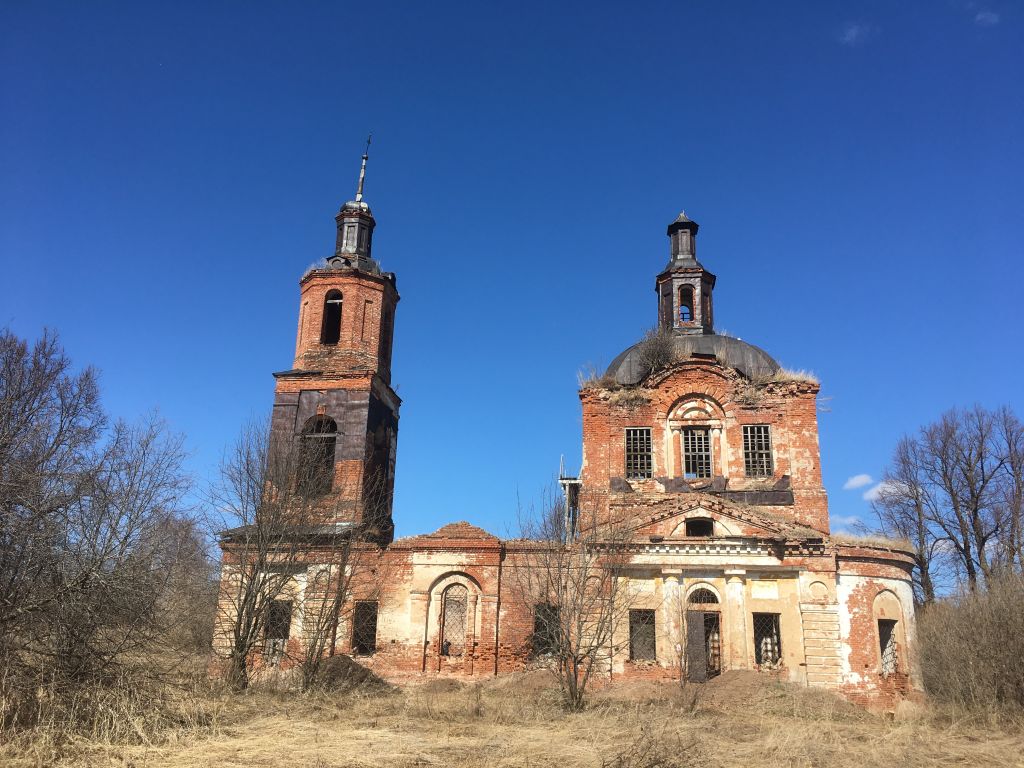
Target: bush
972,647
656,350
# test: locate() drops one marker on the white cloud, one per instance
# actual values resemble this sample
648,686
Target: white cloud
844,522
874,493
986,18
855,33
857,481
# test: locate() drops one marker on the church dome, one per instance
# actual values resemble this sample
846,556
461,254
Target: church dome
751,361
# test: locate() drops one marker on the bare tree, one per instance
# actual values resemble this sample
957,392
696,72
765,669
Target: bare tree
1010,496
91,521
573,580
905,506
289,544
956,488
350,569
262,509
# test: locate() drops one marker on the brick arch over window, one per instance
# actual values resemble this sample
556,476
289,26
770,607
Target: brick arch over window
696,406
695,425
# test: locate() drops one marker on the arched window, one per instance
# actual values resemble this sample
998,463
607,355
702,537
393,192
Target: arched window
703,596
453,620
316,457
330,329
686,304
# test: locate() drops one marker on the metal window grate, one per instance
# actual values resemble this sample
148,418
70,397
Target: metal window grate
887,645
546,629
276,630
364,628
767,639
757,450
453,623
702,595
638,452
696,453
279,619
713,643
641,635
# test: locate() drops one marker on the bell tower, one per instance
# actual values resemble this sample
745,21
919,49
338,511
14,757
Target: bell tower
336,402
684,287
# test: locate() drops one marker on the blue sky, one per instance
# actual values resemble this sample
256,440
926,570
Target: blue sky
170,170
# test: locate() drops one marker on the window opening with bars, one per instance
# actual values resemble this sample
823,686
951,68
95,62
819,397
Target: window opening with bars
277,628
887,645
686,304
316,457
638,453
704,596
453,620
713,643
545,629
767,639
364,628
696,453
641,635
757,450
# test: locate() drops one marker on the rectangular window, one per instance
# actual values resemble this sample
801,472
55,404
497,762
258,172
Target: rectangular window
546,632
364,628
276,630
696,453
757,450
279,619
887,645
767,639
641,635
638,453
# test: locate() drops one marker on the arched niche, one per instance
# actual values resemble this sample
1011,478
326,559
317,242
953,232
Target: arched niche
890,633
453,611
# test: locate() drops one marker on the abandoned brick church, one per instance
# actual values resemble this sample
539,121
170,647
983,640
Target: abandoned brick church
699,450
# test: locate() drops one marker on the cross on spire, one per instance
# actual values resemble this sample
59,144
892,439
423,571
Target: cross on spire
362,170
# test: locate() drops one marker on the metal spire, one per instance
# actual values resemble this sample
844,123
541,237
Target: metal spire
362,171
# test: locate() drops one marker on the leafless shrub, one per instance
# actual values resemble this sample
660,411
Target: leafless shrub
972,647
288,545
657,749
656,349
103,577
571,581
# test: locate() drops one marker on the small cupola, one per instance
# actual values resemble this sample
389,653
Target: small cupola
355,228
682,235
684,287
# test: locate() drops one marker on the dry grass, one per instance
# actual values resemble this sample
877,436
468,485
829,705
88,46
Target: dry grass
871,540
740,719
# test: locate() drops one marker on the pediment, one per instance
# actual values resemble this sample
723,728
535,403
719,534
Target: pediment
666,518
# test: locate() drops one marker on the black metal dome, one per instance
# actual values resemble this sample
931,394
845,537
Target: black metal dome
749,360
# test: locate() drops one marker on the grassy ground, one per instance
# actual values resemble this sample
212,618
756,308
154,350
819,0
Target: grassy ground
737,720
